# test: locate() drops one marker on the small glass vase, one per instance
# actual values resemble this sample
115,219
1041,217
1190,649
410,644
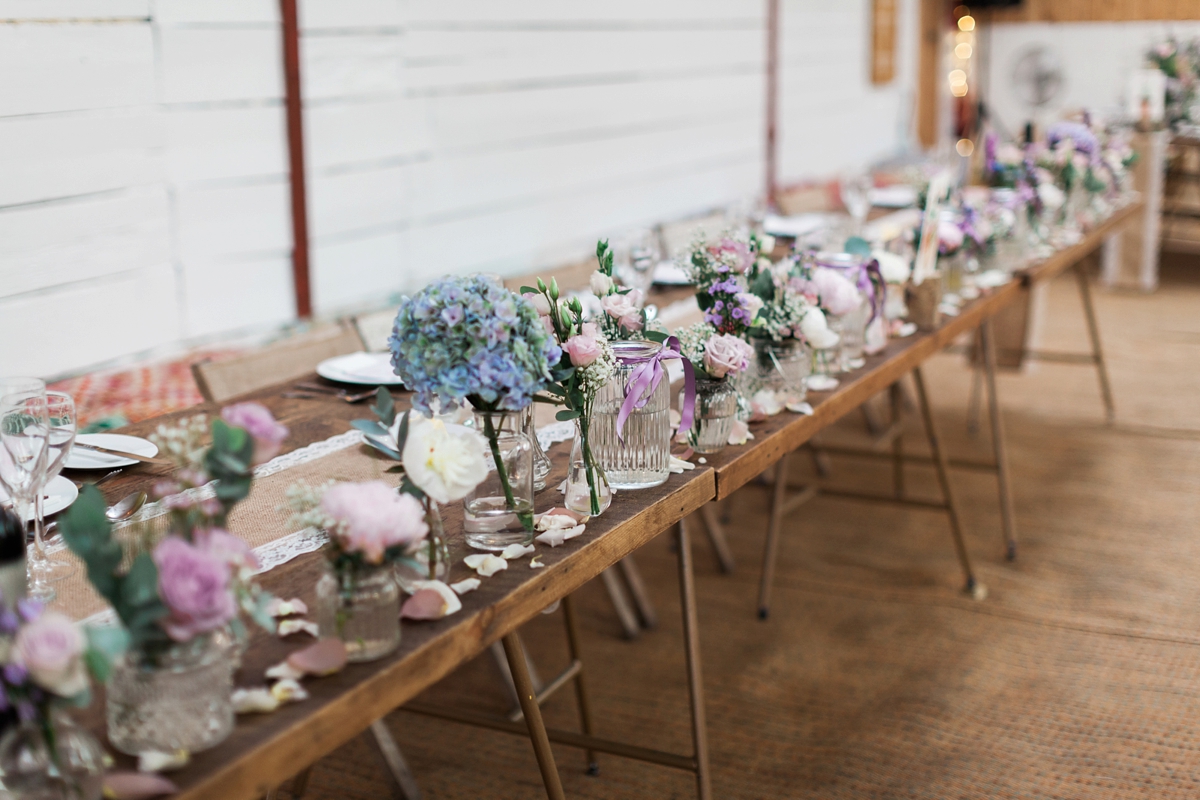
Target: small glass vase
716,411
852,328
360,606
783,367
640,457
75,771
434,550
499,511
179,701
586,494
541,462
951,270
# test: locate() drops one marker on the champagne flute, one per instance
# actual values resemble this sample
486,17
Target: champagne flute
856,196
24,434
61,426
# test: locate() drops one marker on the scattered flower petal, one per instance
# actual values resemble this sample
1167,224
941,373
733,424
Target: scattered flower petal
800,408
678,465
325,657
465,585
288,691
566,512
290,626
765,402
514,551
556,536
286,608
536,563
430,600
258,700
283,671
485,564
551,522
155,761
740,433
701,460
127,785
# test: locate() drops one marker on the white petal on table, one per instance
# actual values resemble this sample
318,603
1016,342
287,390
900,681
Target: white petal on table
514,551
557,536
485,564
465,585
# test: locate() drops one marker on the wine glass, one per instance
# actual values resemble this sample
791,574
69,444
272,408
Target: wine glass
856,196
61,425
24,434
641,256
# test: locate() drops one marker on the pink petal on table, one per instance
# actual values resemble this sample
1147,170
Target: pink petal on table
126,785
325,657
686,454
433,600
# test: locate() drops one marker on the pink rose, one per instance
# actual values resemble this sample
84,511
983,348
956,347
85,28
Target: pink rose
582,349
590,329
950,236
224,546
736,254
194,585
838,295
725,354
539,302
51,650
625,308
257,421
372,517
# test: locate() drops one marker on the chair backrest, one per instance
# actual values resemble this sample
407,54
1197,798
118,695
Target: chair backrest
219,381
805,198
374,329
677,236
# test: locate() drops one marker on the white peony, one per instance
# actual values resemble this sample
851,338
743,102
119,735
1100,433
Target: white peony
893,267
816,331
1051,196
601,284
445,461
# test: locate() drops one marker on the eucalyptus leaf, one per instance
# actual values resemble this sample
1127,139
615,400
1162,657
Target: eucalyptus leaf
567,414
657,336
369,427
858,246
383,448
402,432
385,407
528,290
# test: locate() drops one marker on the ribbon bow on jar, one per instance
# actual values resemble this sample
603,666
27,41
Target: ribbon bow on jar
646,376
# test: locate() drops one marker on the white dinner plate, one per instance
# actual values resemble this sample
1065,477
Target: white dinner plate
897,196
365,369
58,494
90,459
668,273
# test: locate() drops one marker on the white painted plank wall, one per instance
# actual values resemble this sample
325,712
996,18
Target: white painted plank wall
143,187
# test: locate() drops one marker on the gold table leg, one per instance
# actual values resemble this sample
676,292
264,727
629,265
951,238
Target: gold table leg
691,638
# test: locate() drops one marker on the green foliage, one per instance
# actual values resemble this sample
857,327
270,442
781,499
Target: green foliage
132,594
858,246
230,461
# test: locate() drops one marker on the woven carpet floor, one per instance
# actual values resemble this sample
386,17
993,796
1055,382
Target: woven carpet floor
1078,676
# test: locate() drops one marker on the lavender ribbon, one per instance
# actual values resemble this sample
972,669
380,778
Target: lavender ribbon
869,281
646,376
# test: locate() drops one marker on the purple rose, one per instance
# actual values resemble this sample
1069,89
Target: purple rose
194,585
224,546
268,434
725,354
51,649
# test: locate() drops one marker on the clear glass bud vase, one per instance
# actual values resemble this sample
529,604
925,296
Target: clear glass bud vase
434,551
499,511
177,701
360,606
783,367
586,494
74,771
716,411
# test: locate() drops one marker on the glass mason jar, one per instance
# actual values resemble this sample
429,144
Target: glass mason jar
76,773
433,550
499,511
181,701
950,268
360,606
641,456
783,367
579,489
716,411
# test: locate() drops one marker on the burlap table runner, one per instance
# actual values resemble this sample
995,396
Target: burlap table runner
258,519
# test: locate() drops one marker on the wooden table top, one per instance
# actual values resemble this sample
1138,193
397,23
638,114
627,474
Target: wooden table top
266,750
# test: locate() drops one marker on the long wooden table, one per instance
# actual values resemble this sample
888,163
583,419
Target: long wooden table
266,750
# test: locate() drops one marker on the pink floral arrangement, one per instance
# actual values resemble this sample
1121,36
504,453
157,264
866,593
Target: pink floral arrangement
194,584
370,519
268,434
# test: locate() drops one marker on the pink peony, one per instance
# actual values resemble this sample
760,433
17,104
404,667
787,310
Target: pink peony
725,354
950,237
194,585
51,650
582,349
372,517
268,434
838,295
224,546
733,251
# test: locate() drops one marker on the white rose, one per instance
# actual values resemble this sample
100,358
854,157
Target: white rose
601,284
816,330
893,267
766,243
1051,196
444,461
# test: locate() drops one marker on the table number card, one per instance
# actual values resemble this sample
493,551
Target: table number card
925,265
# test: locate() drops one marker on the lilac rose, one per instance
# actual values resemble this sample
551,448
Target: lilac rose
725,354
267,433
194,585
51,650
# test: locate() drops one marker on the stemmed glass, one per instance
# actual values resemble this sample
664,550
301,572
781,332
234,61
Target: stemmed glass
641,255
61,426
856,196
24,434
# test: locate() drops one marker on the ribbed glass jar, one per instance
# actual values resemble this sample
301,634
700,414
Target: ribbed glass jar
783,367
362,608
496,511
852,327
181,701
641,457
716,411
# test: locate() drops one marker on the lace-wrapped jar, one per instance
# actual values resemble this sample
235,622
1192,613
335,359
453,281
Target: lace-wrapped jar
640,457
361,606
178,701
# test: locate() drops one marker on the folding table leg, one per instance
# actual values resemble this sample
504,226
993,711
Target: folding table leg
973,587
896,400
620,601
771,547
1007,519
691,638
637,590
1085,294
975,400
533,716
406,785
716,536
581,697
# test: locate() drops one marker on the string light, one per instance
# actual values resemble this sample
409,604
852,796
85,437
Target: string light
965,147
963,51
966,23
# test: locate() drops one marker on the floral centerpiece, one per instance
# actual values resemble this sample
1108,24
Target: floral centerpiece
586,364
624,317
177,593
45,672
719,270
1180,63
471,339
717,358
371,528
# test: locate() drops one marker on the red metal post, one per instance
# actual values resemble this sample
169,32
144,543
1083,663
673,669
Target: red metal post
772,176
295,132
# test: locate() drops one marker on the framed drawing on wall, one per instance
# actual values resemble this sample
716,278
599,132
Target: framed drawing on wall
883,41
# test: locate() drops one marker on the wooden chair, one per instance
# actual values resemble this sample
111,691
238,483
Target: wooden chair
219,381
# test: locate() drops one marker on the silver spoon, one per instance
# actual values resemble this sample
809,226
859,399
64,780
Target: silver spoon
126,507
